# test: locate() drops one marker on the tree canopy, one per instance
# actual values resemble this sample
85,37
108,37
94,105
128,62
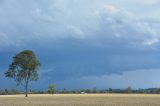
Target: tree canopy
51,88
24,69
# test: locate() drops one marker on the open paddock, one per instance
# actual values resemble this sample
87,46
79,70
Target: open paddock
81,100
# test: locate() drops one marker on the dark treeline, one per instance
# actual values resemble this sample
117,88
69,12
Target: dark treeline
9,92
86,91
110,90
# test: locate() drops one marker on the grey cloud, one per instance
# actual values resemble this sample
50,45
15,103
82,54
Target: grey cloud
74,61
60,19
80,38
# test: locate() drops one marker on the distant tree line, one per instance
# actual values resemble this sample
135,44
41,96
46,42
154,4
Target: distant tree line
52,90
110,90
9,92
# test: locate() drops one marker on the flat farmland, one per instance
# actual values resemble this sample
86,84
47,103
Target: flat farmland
81,100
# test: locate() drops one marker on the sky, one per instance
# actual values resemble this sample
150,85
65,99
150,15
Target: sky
84,43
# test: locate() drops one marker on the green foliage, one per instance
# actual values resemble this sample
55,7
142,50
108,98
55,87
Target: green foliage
51,89
64,90
24,68
110,90
9,92
129,89
94,90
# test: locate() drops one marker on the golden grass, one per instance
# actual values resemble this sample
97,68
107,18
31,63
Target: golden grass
81,100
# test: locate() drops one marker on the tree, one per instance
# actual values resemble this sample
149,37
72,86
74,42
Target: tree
64,90
158,90
129,89
24,69
94,90
110,90
51,88
88,91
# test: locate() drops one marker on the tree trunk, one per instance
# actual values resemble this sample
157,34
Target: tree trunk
26,90
26,93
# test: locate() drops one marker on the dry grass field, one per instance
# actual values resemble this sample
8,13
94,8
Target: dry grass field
81,100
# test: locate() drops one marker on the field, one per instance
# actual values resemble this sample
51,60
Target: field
81,100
